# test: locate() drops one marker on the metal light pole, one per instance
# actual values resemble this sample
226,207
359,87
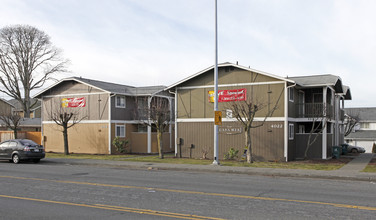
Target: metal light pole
216,162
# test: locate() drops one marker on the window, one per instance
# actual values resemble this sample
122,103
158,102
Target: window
291,94
120,130
291,131
301,129
120,102
364,125
142,128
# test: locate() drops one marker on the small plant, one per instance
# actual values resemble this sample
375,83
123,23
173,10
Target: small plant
205,152
120,145
374,148
231,154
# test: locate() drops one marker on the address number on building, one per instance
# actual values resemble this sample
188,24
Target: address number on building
276,126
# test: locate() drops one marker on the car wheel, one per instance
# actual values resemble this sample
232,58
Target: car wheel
16,158
354,150
36,160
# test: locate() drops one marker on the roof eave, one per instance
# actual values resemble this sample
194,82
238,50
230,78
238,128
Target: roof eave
224,65
40,94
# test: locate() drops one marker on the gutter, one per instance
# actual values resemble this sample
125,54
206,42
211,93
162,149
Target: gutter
286,131
176,118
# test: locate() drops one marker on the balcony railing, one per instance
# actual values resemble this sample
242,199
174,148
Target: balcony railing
315,110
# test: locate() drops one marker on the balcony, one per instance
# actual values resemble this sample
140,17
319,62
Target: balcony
314,110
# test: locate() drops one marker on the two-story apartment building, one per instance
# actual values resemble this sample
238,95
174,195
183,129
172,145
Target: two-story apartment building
364,132
107,111
299,101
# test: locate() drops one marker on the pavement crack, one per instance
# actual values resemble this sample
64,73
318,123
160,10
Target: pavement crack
262,194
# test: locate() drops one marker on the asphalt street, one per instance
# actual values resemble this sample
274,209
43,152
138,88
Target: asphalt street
61,191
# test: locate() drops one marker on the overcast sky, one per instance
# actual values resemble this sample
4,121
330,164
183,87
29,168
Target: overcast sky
159,42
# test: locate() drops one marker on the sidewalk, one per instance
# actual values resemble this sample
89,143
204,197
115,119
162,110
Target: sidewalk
350,171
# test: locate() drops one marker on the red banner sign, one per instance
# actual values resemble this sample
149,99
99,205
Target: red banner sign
73,102
229,95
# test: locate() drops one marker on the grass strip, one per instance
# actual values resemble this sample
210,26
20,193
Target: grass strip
169,158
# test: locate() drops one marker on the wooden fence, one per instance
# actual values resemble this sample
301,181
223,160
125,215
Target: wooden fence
35,136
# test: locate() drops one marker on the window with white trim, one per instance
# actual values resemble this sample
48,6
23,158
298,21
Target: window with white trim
291,94
120,102
291,131
120,130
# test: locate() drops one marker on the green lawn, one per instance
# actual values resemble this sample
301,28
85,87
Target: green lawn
371,167
169,158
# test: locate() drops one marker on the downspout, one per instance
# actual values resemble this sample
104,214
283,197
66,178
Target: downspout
176,121
324,130
41,122
149,127
286,130
109,122
169,124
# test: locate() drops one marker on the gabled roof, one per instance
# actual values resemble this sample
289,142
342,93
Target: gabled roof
26,122
227,64
347,93
109,87
362,134
319,81
18,106
364,114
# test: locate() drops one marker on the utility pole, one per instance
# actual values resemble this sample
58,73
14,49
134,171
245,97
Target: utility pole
216,162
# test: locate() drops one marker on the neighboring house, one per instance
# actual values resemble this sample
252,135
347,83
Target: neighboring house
364,132
26,124
108,110
6,108
35,111
283,137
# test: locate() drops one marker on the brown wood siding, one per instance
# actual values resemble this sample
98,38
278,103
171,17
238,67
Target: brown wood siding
5,108
139,142
194,103
184,104
96,107
228,75
83,138
267,141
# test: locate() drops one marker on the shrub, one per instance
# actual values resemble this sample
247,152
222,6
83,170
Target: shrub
231,154
374,148
120,145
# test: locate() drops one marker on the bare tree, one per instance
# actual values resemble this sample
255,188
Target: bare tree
319,123
12,121
155,113
27,60
245,112
350,122
66,118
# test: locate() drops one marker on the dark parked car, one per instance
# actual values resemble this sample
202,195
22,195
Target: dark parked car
16,150
355,149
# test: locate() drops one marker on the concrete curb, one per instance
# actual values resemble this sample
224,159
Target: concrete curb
271,172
